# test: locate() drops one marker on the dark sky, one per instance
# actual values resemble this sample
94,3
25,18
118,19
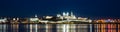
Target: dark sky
87,8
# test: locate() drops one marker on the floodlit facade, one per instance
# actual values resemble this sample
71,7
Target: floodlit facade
71,17
68,27
67,15
106,27
35,18
3,20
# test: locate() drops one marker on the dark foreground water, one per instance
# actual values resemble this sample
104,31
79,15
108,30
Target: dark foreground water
59,27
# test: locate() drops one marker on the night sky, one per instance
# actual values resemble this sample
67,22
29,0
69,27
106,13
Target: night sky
86,8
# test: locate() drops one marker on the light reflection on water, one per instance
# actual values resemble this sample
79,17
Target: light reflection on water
38,28
57,28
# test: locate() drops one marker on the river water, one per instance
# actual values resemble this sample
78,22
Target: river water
59,28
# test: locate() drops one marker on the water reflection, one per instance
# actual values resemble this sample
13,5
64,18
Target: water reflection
43,27
59,28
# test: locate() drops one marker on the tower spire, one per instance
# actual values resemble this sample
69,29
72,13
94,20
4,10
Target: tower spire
63,13
67,14
71,13
36,15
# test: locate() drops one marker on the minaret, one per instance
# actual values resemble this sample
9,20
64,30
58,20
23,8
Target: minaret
36,15
71,13
63,13
73,16
67,14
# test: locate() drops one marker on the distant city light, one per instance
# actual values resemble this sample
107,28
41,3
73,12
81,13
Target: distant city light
34,19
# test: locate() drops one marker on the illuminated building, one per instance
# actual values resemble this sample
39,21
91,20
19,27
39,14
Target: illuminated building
70,17
105,27
49,17
73,27
3,20
65,18
34,19
67,15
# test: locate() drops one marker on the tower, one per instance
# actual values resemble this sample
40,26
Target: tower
67,14
71,13
64,14
58,15
36,15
